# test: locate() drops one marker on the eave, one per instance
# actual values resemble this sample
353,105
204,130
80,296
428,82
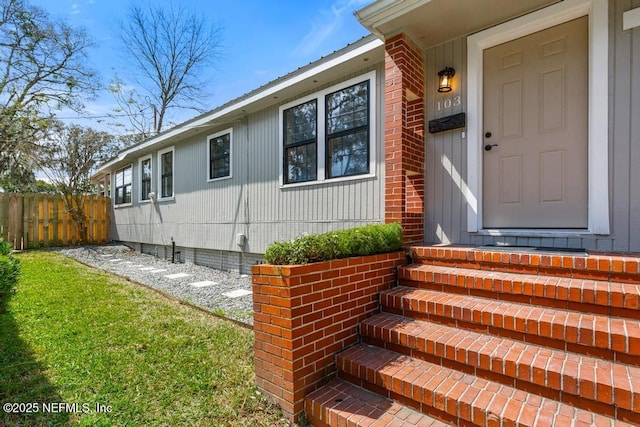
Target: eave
433,22
356,56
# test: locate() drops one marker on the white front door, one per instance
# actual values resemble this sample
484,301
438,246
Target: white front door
535,131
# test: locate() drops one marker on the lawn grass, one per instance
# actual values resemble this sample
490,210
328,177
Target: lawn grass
77,335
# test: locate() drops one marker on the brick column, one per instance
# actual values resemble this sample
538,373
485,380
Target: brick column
404,137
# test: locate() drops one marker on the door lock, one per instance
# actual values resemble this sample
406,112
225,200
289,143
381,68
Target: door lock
488,147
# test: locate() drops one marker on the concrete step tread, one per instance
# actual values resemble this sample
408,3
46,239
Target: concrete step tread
588,377
460,395
579,290
586,329
340,403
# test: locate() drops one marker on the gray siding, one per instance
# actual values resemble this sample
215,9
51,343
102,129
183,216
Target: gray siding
281,214
209,215
625,129
445,173
205,216
446,211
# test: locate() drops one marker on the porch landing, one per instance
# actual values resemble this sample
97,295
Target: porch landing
477,336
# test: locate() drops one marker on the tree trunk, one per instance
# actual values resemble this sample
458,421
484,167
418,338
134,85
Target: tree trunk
75,207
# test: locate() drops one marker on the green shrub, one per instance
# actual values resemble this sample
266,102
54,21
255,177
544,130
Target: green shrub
9,270
5,247
360,241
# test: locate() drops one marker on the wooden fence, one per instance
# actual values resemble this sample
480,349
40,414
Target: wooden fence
41,220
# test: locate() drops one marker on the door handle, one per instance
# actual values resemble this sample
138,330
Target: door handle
488,147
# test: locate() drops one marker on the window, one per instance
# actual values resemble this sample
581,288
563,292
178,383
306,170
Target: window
300,143
123,186
165,160
145,178
219,150
330,134
347,124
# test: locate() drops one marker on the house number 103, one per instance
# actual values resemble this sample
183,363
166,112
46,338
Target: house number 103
449,102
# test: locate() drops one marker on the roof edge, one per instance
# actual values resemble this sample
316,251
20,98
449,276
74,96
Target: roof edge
382,11
366,44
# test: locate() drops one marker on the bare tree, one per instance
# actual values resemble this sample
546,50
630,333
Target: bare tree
67,158
43,68
170,50
135,107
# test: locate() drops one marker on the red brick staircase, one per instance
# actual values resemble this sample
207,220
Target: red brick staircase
491,337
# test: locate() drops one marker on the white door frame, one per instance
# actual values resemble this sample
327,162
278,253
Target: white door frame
598,146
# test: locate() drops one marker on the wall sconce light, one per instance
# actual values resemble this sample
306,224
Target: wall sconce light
445,79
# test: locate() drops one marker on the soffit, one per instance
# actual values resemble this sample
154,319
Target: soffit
433,22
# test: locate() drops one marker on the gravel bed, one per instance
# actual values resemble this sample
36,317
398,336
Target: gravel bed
203,287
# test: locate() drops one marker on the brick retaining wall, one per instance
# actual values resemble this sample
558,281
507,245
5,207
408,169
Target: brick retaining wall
305,314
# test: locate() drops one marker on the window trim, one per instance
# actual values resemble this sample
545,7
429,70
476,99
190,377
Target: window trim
173,173
115,187
140,160
320,97
209,138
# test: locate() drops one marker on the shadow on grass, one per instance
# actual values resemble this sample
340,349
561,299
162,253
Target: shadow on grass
23,382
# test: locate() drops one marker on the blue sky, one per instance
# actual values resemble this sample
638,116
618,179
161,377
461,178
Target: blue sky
262,39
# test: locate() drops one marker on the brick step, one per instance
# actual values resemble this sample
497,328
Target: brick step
454,396
596,265
598,296
552,373
340,403
608,337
